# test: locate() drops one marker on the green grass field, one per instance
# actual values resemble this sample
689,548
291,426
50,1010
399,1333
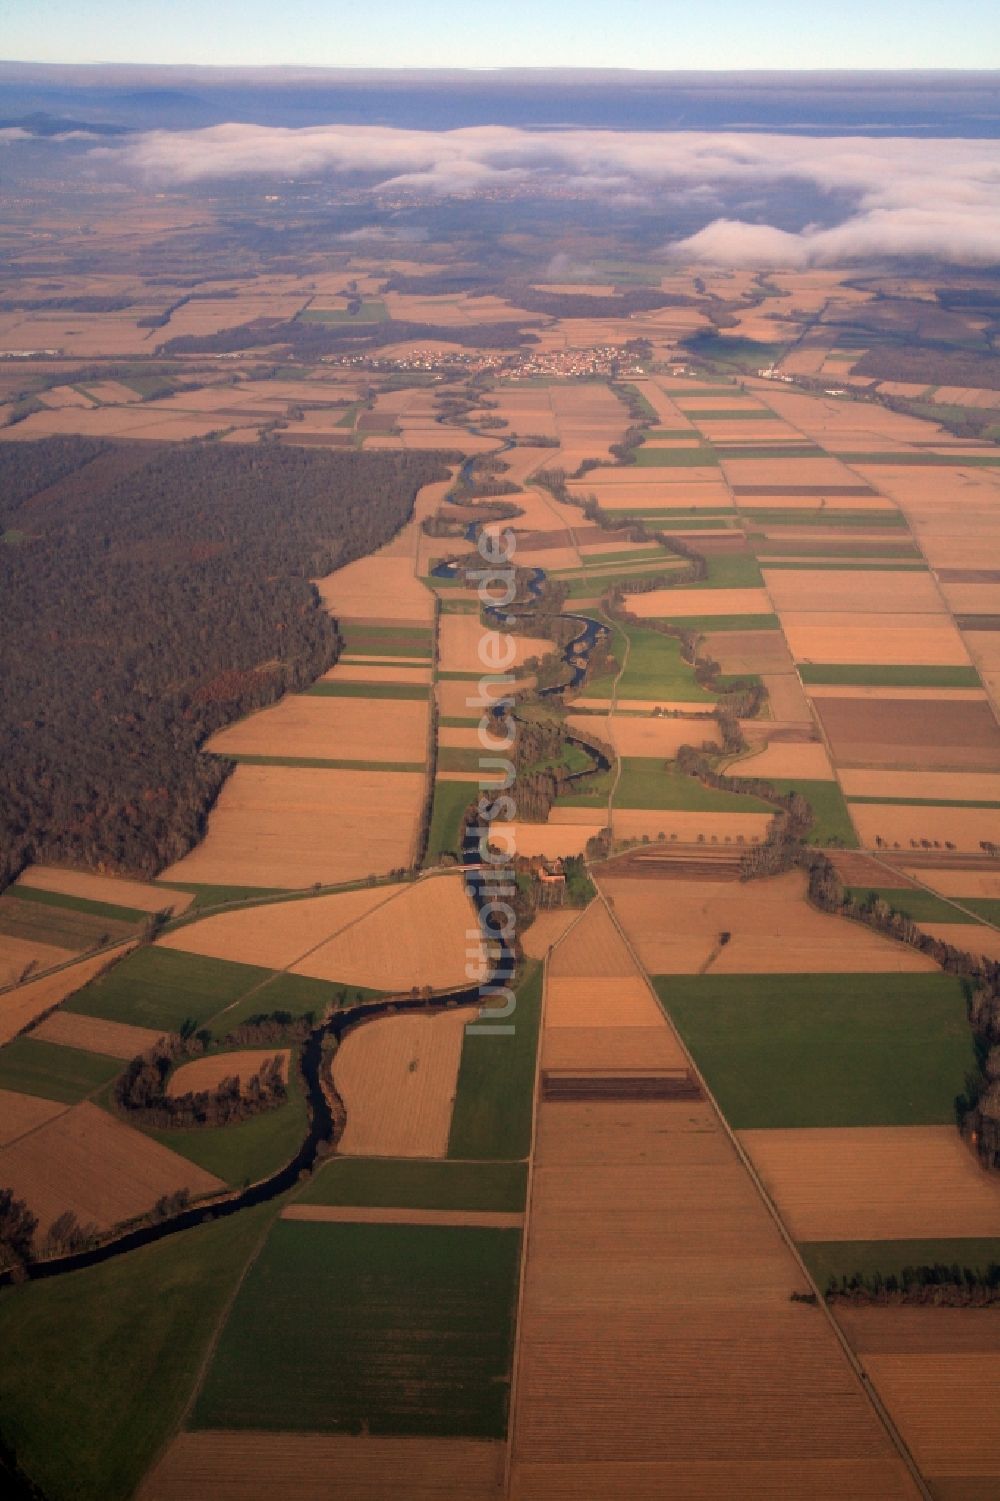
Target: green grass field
734,414
985,907
450,802
402,1183
106,1358
369,312
833,821
369,690
655,670
386,1329
922,906
880,675
592,793
676,458
830,520
645,782
159,987
56,1073
496,1082
735,571
219,896
842,1258
826,1050
707,623
397,641
36,922
253,1149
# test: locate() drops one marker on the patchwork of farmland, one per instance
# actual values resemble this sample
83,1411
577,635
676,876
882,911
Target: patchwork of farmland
575,1245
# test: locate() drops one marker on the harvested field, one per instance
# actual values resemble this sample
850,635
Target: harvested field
943,786
116,891
945,1408
617,1044
676,929
593,950
459,699
553,840
749,651
208,1073
874,590
807,472
463,639
634,735
932,734
382,585
688,827
71,1029
315,726
476,1219
850,638
618,1003
876,1182
905,825
960,883
280,826
22,957
20,1007
973,937
419,937
102,1170
274,935
397,1077
779,758
376,672
786,698
670,603
21,1113
547,928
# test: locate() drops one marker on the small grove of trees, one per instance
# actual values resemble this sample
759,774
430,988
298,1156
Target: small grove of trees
140,1091
932,1283
17,1232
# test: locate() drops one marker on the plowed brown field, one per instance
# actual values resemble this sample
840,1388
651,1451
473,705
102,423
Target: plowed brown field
262,1466
876,1182
105,1172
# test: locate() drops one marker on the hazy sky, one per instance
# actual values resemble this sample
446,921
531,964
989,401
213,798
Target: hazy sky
528,33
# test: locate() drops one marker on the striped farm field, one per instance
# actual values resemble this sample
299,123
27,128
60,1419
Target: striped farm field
420,1317
876,1183
936,1369
254,1466
660,1350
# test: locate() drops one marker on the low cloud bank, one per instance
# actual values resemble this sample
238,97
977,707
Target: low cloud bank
909,197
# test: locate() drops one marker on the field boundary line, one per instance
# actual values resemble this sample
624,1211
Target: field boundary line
864,1381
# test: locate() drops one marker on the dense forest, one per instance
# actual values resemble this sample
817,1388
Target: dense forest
311,341
142,614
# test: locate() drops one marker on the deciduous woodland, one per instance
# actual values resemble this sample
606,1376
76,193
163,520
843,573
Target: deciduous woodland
150,607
